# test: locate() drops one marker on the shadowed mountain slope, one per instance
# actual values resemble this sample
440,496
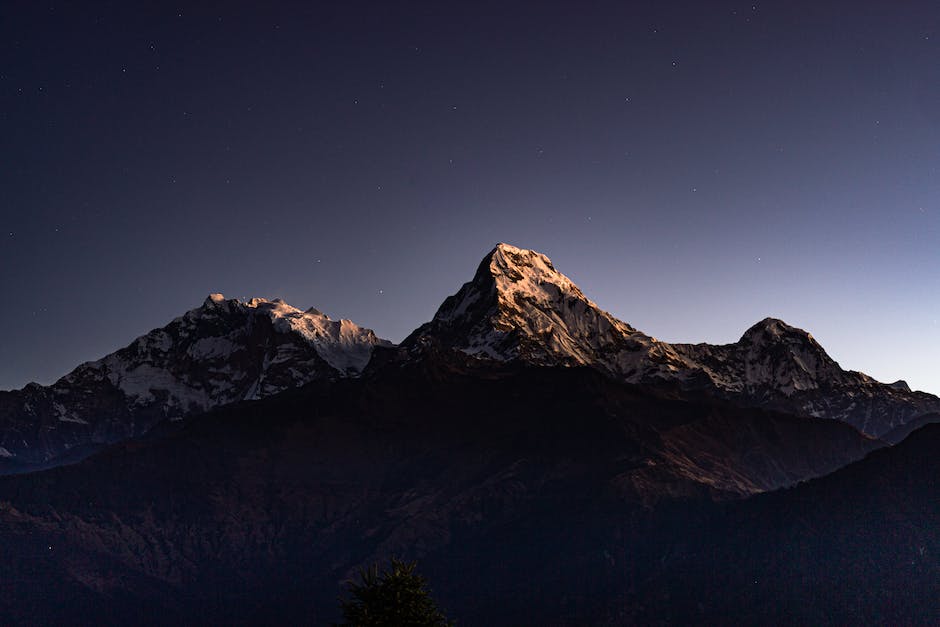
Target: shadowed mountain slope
859,546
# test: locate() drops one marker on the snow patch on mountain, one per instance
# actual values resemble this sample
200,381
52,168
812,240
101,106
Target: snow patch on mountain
343,344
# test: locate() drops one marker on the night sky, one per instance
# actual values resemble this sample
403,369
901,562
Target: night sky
693,166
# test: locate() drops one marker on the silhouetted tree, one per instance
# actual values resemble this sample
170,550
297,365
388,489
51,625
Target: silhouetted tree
396,597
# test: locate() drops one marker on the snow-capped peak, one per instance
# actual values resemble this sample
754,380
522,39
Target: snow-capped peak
771,357
214,301
530,274
343,344
791,358
774,329
518,306
528,277
223,351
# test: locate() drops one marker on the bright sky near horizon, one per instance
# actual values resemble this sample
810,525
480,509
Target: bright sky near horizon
694,167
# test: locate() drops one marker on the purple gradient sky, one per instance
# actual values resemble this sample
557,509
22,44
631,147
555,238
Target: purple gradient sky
693,166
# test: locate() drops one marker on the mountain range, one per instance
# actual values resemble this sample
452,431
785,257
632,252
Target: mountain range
518,307
543,461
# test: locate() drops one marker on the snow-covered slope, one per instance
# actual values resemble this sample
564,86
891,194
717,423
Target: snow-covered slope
518,307
221,352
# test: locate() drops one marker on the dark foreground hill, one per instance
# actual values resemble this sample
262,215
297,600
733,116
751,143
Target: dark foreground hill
861,546
528,495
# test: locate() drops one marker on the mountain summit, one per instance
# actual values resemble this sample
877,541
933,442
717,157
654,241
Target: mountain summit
518,306
771,355
224,351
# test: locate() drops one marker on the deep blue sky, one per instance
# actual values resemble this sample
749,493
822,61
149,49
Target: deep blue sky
693,166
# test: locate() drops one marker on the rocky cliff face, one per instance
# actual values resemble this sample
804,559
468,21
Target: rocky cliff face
219,353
